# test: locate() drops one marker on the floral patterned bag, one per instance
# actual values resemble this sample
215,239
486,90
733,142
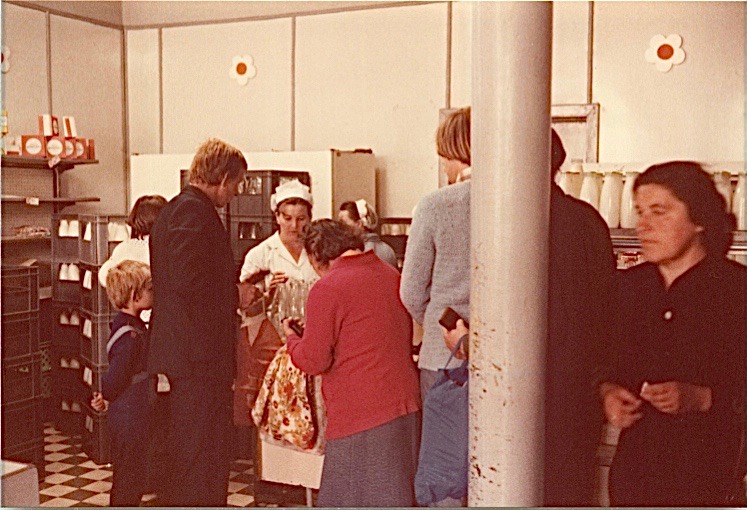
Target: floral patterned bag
284,411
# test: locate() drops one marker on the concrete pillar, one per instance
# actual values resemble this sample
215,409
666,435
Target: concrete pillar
510,214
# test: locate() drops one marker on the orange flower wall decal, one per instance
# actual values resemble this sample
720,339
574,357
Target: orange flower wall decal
665,52
242,69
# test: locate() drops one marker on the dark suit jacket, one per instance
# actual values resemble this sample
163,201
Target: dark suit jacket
582,275
193,325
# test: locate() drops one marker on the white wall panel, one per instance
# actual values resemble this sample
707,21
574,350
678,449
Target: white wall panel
696,110
87,83
200,100
143,82
570,52
24,86
461,54
375,79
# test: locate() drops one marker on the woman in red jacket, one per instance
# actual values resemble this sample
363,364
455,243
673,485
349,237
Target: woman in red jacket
358,336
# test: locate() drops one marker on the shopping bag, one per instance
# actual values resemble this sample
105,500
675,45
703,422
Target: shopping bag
443,463
255,349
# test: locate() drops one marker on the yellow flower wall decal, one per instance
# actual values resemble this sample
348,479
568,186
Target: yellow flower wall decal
242,69
665,52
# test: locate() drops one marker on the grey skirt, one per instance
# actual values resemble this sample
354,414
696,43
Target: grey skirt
374,468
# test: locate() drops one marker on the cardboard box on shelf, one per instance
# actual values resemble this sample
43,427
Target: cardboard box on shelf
56,147
34,146
91,149
68,127
81,148
49,125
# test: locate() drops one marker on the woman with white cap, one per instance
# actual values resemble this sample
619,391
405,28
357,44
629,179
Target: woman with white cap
283,253
363,219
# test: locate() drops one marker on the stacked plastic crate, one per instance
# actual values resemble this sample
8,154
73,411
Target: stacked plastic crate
98,237
22,411
67,395
251,220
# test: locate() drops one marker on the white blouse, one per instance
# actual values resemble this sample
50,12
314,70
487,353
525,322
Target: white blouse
273,255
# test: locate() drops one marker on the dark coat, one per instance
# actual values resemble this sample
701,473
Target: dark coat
582,274
194,321
693,332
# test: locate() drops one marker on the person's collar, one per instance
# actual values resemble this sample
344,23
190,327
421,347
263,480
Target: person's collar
464,175
352,260
194,190
277,244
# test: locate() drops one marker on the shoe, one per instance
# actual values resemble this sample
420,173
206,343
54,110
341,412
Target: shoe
87,233
73,273
65,405
74,363
87,280
64,320
64,229
74,319
64,363
63,273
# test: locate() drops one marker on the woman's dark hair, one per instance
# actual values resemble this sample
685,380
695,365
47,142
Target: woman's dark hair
695,188
144,213
326,239
294,201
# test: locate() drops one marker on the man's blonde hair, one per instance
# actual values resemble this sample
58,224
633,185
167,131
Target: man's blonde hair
453,137
214,160
129,278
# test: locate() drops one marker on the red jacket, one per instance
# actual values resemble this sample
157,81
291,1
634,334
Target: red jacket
358,336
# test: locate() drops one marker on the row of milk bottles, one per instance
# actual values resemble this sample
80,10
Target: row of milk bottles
611,192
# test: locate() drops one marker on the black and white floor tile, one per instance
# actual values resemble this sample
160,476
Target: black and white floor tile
71,479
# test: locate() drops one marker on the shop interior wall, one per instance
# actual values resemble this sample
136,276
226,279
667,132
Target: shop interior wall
68,66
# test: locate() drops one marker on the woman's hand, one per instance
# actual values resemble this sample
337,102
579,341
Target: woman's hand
287,331
674,397
277,279
621,407
98,403
452,337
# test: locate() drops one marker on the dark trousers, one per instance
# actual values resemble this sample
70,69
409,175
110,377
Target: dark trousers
129,434
200,427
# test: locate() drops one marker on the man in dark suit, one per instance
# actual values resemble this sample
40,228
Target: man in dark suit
194,326
582,273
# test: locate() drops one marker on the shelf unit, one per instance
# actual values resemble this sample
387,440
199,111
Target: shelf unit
624,239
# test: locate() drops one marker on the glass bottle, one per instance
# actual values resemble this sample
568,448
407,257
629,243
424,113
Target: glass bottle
723,185
610,198
590,188
628,214
739,201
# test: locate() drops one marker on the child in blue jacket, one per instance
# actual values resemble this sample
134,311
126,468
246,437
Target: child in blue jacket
125,385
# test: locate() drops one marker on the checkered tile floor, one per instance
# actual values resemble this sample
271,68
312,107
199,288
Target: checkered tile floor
72,479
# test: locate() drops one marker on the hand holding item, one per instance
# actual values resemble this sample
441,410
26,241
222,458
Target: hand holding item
674,397
451,337
277,279
248,294
621,407
287,331
98,403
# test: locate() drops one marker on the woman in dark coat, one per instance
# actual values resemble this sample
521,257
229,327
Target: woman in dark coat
677,380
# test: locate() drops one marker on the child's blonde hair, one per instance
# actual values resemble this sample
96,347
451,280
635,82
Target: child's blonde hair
129,278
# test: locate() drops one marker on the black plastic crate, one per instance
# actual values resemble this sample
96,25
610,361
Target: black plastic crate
69,414
20,335
21,381
247,232
19,290
96,442
65,233
23,425
91,376
256,190
66,326
68,366
93,298
66,282
99,235
94,335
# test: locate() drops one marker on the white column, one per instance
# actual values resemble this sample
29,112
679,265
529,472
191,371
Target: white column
510,212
